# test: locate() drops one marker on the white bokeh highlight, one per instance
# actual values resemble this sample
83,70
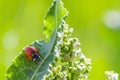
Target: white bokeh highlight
112,19
10,40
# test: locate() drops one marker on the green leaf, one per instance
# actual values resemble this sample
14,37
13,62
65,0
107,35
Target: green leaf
54,17
24,69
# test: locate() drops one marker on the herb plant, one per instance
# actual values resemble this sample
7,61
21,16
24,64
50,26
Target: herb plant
62,56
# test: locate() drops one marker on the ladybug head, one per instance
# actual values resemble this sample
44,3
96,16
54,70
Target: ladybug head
36,57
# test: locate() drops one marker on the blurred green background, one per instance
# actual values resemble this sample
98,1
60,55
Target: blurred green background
96,23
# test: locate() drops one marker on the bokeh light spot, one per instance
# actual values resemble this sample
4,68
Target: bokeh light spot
10,40
112,19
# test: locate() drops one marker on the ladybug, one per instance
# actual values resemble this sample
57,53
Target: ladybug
32,53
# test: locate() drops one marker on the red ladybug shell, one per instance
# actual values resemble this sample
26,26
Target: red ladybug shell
30,51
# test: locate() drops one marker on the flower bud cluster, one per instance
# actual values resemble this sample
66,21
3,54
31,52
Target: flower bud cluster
69,63
111,75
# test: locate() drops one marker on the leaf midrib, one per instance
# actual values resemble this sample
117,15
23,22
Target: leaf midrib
32,78
56,7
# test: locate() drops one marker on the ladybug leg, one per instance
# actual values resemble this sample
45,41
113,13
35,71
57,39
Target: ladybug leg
30,63
41,56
